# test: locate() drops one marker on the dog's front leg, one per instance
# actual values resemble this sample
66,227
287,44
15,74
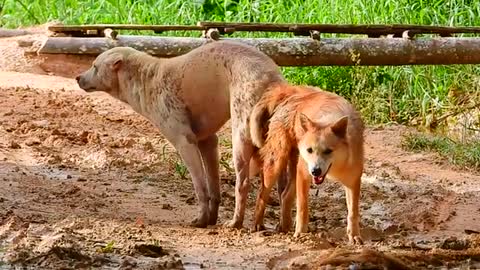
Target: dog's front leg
191,155
353,220
303,187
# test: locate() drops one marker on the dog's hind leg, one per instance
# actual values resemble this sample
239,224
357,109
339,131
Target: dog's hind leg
242,153
275,160
281,187
209,151
288,195
282,184
271,172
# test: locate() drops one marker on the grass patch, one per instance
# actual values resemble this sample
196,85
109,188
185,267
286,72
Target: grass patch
108,248
382,94
466,155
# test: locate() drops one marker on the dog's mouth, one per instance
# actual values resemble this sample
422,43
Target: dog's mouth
85,86
89,89
319,179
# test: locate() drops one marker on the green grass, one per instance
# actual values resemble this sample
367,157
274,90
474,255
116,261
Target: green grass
383,94
109,248
463,154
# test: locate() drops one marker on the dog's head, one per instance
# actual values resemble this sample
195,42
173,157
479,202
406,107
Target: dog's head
103,74
321,146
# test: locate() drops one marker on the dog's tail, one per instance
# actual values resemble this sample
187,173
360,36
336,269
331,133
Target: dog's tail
258,123
264,109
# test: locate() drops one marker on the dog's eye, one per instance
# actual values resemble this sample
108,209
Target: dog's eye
309,150
327,151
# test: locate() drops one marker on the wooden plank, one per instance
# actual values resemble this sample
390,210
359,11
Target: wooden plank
102,27
296,51
299,29
343,29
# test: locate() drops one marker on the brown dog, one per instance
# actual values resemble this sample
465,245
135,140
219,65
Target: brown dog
315,133
189,98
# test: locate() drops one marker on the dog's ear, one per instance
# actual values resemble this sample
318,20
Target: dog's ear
116,62
305,122
339,128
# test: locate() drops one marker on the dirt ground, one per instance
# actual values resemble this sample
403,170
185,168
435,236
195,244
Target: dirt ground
85,183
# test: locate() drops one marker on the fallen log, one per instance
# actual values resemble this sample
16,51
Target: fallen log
295,51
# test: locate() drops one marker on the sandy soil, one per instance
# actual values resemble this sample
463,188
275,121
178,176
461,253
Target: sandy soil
85,183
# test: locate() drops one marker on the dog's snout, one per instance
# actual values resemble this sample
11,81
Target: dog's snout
78,78
316,171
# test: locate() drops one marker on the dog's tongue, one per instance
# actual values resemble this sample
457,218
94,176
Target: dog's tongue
318,179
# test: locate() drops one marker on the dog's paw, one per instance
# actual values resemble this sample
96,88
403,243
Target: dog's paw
213,214
234,224
300,230
298,234
258,227
355,240
199,223
282,229
212,221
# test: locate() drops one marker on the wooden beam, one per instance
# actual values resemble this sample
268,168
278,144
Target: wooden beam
295,51
364,29
303,29
78,30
